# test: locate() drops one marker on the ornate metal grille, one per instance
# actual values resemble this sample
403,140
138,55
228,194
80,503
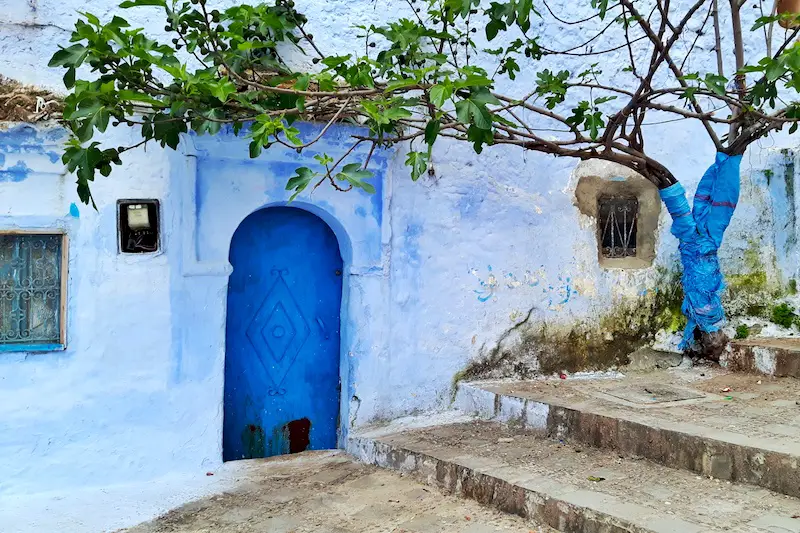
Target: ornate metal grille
30,289
618,217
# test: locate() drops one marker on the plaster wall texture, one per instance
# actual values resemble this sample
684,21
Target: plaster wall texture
436,271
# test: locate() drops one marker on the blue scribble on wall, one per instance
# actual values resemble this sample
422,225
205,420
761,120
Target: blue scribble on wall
563,292
488,288
74,211
530,279
554,296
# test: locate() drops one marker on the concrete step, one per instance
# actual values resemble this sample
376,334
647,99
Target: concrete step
572,489
771,357
750,433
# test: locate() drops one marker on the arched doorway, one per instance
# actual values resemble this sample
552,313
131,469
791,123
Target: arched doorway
282,336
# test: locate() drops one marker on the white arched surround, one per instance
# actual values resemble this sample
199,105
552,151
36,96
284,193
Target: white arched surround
215,186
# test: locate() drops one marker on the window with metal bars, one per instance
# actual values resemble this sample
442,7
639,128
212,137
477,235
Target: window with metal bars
31,291
618,218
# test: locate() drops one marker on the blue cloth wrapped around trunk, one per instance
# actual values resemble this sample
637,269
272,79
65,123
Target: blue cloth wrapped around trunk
700,232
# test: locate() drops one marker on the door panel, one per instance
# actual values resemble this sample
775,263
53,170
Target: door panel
282,352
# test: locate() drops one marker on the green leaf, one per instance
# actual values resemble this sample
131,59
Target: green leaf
302,82
355,176
439,94
222,89
552,86
293,134
467,111
473,80
774,70
716,83
510,67
254,45
136,3
255,149
355,171
593,124
502,120
601,6
71,56
300,181
135,96
524,8
483,96
400,84
396,113
69,78
604,99
481,117
324,159
332,62
168,131
479,137
461,7
432,131
494,27
463,111
418,161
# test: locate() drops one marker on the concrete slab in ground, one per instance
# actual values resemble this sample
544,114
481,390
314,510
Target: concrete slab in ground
732,426
572,488
328,492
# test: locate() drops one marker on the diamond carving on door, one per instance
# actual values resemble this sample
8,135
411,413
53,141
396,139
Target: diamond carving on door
277,332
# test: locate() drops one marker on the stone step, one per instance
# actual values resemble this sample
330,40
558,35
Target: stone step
569,488
771,357
748,434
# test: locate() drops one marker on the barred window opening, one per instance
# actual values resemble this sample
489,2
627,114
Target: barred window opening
618,220
30,289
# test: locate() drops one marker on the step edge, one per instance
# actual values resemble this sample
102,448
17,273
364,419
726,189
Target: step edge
539,503
733,461
543,407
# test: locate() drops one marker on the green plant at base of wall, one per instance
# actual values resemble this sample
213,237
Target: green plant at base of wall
742,331
783,315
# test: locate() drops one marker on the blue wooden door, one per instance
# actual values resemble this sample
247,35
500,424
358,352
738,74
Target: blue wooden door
282,353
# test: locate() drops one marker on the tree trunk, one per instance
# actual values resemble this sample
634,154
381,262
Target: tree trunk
700,231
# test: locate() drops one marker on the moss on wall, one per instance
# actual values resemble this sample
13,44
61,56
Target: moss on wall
750,291
534,346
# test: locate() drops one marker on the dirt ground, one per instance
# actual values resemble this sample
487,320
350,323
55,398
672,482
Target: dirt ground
328,492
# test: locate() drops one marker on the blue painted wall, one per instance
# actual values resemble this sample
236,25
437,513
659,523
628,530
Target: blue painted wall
434,270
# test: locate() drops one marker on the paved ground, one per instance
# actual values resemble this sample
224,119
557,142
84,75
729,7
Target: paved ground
328,492
686,502
756,407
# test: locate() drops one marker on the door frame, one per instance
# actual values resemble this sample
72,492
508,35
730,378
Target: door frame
212,187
